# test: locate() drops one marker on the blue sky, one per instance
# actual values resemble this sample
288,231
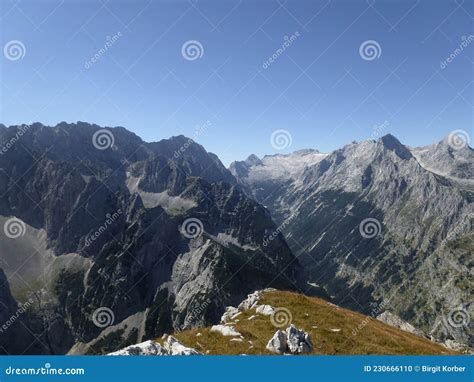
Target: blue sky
319,88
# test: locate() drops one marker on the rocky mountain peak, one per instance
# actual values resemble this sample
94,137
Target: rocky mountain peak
393,144
253,160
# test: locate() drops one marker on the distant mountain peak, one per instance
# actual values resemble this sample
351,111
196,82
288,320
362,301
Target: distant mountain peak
253,160
393,144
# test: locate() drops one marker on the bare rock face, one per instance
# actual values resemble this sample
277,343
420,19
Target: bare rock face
171,346
165,231
291,341
394,320
405,214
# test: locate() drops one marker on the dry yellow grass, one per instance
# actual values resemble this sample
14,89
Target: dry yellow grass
317,317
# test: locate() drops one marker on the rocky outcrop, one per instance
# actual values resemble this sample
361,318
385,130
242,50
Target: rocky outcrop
171,346
290,341
453,345
174,347
230,313
145,348
226,330
266,310
251,301
393,320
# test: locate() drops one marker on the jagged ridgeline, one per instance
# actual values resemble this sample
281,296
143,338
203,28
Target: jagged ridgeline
380,226
109,241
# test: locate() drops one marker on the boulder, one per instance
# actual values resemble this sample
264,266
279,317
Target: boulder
266,310
226,330
290,341
298,341
277,343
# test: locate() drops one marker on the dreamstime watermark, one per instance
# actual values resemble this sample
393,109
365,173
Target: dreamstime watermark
14,228
109,42
374,313
281,139
370,50
377,130
103,139
11,320
287,41
281,317
465,41
198,131
45,370
111,218
192,50
103,317
192,228
9,144
197,312
458,317
14,50
369,228
458,229
278,230
458,139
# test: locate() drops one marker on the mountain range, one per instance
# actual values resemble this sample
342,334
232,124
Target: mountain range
108,240
378,222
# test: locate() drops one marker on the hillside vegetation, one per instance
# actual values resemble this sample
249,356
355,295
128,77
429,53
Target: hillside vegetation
333,330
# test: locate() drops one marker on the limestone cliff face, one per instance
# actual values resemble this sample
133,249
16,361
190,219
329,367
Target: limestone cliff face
155,236
371,222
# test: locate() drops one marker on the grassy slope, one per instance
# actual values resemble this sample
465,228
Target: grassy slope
317,317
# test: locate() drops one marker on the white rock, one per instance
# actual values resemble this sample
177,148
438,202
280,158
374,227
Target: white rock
266,310
174,347
335,330
236,340
226,330
251,301
144,348
453,345
394,320
278,343
298,341
230,313
290,341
